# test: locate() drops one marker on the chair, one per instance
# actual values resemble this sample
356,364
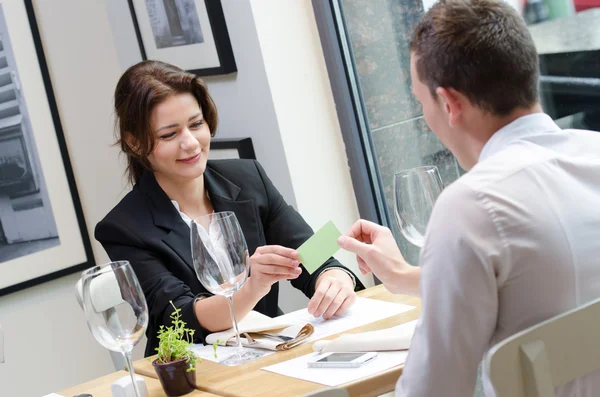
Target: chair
117,358
328,393
533,362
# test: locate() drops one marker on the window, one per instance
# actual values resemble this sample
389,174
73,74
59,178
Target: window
366,46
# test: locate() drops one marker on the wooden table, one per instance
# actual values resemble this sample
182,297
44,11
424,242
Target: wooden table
101,387
249,380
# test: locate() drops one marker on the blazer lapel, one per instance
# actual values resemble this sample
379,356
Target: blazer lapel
224,197
167,217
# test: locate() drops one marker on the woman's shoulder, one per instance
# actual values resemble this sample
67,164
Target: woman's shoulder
232,165
237,170
131,210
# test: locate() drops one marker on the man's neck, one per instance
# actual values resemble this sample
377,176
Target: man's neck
488,125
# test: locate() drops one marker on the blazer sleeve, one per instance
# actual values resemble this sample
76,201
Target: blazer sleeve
285,226
159,285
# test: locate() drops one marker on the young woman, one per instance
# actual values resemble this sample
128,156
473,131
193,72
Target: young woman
166,119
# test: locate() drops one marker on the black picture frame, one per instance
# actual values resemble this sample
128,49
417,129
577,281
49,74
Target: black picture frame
222,43
243,146
63,269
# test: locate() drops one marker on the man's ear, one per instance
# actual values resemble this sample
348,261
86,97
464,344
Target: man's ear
452,102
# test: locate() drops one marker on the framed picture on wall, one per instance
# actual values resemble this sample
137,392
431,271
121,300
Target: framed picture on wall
231,149
42,230
190,34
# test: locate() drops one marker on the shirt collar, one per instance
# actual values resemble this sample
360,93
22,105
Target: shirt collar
525,126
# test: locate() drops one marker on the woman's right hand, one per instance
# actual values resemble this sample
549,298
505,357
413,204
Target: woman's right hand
271,263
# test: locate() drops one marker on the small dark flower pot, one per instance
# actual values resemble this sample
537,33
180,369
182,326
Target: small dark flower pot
175,378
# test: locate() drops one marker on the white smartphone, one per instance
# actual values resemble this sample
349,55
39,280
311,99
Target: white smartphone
341,360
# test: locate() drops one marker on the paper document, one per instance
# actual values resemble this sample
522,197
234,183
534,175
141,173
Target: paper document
364,311
298,368
320,247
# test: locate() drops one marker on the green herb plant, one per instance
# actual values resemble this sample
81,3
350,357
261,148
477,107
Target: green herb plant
174,342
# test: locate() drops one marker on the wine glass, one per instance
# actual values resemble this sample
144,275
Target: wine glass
221,261
115,308
415,193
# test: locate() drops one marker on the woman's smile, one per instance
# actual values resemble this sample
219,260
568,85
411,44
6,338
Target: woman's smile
190,160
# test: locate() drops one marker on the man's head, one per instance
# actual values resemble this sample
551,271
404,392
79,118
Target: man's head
473,65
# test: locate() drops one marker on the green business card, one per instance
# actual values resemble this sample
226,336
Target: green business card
320,247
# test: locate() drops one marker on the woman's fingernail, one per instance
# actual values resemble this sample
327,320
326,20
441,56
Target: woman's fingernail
341,240
298,270
295,263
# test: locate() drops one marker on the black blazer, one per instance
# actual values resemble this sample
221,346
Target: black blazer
146,230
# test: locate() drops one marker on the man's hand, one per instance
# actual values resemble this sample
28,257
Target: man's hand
334,294
376,251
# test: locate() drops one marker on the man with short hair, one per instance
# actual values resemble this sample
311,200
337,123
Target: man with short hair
514,241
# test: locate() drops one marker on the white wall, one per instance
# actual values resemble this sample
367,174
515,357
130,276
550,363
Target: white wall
306,114
88,44
45,330
243,99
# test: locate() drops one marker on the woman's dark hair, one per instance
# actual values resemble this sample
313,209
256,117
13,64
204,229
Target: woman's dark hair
139,90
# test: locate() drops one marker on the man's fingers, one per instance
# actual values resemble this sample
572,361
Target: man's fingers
362,265
364,231
359,248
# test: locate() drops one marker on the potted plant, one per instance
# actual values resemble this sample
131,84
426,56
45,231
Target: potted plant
175,364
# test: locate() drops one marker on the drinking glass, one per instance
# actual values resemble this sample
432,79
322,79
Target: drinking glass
115,308
221,261
415,193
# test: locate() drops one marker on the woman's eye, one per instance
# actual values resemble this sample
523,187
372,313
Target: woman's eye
168,136
197,124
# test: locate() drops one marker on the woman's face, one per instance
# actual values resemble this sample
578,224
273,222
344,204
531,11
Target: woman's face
182,138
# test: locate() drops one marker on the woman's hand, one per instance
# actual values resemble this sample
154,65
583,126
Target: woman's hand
334,294
271,263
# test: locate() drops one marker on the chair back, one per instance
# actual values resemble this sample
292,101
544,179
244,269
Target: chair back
533,362
117,358
328,393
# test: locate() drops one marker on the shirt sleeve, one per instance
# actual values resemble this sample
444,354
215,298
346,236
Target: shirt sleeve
459,297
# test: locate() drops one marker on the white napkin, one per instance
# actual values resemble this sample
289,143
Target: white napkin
394,338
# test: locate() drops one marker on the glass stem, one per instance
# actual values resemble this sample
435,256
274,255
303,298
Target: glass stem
131,372
234,322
